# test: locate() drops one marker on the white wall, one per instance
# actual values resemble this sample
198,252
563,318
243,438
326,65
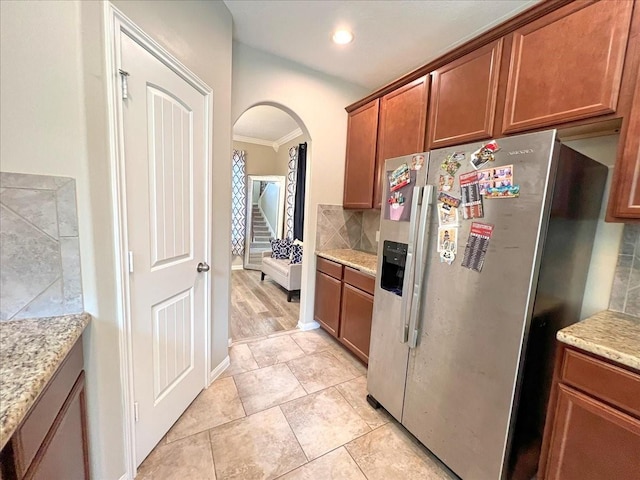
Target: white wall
53,120
317,102
604,255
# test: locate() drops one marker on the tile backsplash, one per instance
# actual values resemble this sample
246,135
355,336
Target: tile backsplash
625,293
340,228
39,248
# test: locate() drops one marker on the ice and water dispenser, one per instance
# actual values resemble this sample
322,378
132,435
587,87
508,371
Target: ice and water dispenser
394,258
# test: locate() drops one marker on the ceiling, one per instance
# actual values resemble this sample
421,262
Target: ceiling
266,125
391,37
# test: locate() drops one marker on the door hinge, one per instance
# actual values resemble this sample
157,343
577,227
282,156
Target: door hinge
130,261
136,412
124,83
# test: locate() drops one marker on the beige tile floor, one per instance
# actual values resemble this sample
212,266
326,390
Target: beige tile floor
291,406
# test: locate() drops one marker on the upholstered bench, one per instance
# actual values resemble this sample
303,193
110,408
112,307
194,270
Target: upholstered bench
288,275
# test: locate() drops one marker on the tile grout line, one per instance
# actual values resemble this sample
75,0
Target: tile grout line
294,436
355,461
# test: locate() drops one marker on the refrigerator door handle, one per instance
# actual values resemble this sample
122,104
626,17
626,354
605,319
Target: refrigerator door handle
405,308
421,259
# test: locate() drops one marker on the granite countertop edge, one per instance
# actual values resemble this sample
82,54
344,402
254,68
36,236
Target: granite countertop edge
611,335
31,351
350,257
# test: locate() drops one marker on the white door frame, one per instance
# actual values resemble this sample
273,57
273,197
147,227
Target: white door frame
114,23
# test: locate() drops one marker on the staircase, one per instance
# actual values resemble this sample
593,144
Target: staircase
260,236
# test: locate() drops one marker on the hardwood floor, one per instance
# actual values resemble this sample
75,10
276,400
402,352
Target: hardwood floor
259,308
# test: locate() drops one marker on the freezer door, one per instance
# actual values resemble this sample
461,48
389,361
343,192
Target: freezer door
462,374
388,351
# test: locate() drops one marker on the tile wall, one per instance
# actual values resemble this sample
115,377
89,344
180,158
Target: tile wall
340,228
625,294
39,249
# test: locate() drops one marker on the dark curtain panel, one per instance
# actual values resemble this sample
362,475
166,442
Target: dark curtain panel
298,213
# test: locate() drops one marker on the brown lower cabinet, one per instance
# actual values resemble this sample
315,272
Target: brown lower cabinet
344,305
51,442
593,422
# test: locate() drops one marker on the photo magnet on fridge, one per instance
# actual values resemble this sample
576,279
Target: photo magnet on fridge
451,164
447,215
447,239
484,154
445,183
417,161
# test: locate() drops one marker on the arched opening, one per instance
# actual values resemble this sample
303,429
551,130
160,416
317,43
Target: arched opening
269,158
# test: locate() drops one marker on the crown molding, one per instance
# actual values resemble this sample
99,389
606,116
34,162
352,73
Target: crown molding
287,138
268,143
257,141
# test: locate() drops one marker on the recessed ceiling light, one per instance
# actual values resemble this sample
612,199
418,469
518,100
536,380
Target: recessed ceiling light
342,37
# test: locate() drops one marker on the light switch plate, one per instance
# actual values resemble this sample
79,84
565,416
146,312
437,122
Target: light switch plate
377,235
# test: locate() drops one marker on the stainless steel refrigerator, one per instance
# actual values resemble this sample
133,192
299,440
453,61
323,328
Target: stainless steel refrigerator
462,356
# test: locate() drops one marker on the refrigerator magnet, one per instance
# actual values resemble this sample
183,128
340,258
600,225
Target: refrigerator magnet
451,164
449,199
417,161
472,206
447,256
400,177
448,239
445,183
447,215
484,154
477,245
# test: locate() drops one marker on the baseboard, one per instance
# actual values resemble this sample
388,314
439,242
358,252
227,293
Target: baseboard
124,477
237,267
224,364
230,342
308,326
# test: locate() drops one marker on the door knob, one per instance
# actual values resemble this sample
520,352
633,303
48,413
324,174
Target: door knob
202,267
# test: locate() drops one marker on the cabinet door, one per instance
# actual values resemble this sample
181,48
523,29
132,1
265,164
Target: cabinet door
591,440
624,201
401,129
64,454
327,304
463,98
362,130
355,323
567,65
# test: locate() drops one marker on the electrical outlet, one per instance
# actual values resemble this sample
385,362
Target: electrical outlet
377,235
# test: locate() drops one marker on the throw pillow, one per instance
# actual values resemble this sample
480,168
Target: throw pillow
280,248
296,254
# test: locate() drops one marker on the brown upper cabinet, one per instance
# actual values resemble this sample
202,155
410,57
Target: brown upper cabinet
624,201
463,98
360,164
567,65
401,127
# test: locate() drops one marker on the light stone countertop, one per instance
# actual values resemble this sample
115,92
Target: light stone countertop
363,261
611,335
30,352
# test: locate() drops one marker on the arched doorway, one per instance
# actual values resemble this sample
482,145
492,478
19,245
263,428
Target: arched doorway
268,188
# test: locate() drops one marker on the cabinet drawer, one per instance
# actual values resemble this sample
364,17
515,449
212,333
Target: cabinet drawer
359,280
29,436
610,383
332,269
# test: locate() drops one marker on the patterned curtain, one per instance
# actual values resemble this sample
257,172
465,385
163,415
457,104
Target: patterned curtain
291,192
238,202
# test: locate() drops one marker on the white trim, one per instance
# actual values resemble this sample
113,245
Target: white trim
287,138
308,326
124,477
116,22
256,141
276,144
216,372
237,267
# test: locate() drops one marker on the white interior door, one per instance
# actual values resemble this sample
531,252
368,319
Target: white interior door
166,194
